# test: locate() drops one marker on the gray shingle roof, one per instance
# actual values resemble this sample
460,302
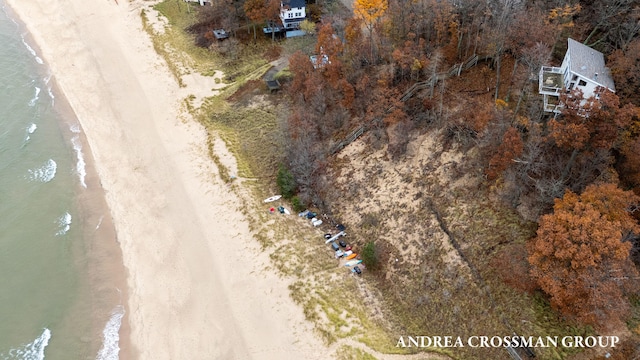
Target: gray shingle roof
294,3
589,63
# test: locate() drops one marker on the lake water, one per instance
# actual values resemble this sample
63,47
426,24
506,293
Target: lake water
61,271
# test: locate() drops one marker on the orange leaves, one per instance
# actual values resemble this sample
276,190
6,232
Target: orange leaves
613,203
370,10
303,72
578,257
511,147
255,10
563,16
481,116
568,135
625,70
630,164
410,58
594,123
328,43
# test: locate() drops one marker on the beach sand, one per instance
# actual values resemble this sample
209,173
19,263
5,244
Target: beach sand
198,287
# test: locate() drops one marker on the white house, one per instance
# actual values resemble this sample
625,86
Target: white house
292,13
582,68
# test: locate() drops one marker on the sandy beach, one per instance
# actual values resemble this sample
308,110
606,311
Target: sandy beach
198,284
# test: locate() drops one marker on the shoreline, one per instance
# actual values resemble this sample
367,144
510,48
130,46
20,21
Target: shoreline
197,282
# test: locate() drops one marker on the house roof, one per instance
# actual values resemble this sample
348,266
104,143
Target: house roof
589,63
294,3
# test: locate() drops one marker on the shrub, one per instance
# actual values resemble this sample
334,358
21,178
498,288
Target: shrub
298,205
286,183
370,255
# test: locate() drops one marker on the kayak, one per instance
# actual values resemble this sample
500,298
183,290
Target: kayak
352,262
351,256
273,198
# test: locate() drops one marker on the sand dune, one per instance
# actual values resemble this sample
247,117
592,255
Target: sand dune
198,288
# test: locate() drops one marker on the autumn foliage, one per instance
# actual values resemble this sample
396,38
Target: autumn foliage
508,151
370,10
579,258
625,70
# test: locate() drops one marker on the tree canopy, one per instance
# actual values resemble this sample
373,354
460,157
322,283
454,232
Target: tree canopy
579,259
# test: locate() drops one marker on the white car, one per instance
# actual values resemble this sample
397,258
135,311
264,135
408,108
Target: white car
339,254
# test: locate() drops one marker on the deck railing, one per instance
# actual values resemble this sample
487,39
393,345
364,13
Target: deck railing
552,69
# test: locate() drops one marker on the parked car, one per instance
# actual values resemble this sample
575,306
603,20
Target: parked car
339,254
342,243
327,236
357,270
347,248
334,246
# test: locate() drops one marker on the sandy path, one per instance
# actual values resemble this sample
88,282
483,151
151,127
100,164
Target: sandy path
198,288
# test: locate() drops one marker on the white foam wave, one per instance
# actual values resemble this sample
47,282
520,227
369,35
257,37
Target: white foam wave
35,98
80,164
45,173
49,89
64,223
75,128
33,52
31,351
99,222
110,345
30,130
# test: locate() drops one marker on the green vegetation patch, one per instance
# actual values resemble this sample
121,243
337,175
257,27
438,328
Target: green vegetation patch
250,133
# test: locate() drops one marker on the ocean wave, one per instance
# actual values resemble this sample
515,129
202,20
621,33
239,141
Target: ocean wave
49,89
35,98
64,223
111,337
80,164
99,222
30,130
33,52
31,351
45,173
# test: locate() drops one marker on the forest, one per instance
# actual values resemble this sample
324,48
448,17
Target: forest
467,70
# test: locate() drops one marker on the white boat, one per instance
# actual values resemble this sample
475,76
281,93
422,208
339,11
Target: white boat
352,262
335,237
273,198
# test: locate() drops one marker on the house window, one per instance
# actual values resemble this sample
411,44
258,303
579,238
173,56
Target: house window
571,86
575,77
582,83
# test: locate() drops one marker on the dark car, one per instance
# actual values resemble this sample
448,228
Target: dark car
357,270
334,246
342,243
